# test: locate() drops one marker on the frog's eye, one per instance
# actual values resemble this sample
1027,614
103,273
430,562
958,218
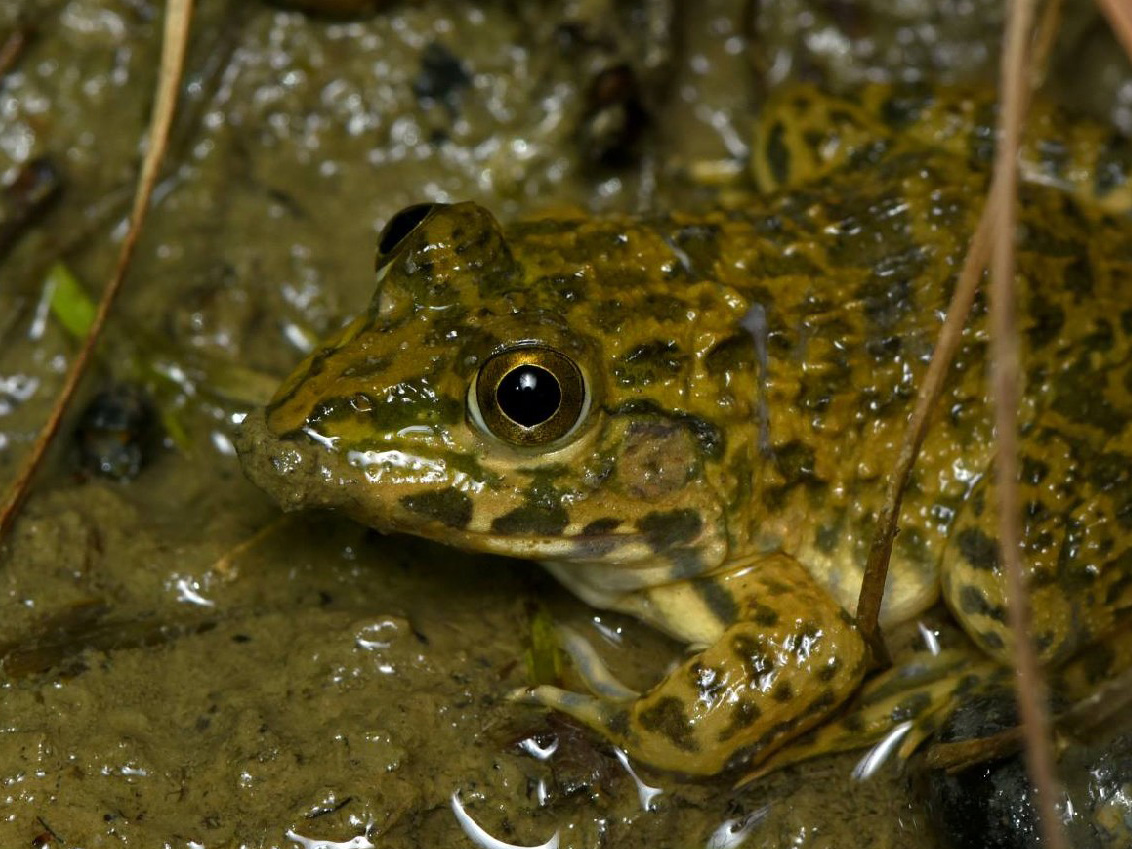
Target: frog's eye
400,226
528,396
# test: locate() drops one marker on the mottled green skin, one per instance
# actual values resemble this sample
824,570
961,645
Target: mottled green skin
751,373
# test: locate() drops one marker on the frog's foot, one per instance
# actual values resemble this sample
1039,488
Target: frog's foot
894,713
790,659
595,675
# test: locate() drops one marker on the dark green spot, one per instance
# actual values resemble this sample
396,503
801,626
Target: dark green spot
532,519
699,250
1078,277
669,528
763,615
1079,396
667,718
972,601
718,599
826,538
707,681
1034,471
600,526
744,714
991,640
903,108
687,562
448,506
978,549
752,653
828,672
1096,663
795,462
650,362
735,353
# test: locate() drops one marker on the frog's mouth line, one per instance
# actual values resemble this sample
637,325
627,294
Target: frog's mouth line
300,473
628,549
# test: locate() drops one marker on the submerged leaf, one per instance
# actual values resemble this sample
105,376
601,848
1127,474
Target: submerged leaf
70,304
59,642
544,657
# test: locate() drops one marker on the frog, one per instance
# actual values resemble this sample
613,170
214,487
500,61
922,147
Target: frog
689,417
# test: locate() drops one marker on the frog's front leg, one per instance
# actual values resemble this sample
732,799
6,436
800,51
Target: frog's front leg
781,655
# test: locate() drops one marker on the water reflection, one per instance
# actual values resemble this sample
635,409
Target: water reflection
532,747
931,638
644,791
359,842
876,757
734,832
484,840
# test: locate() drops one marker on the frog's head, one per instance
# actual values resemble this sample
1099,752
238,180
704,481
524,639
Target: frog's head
472,404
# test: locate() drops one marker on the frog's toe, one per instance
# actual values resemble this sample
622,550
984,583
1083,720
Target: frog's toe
606,711
596,713
591,668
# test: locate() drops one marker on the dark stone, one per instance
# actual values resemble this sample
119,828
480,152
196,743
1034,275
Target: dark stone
117,433
441,77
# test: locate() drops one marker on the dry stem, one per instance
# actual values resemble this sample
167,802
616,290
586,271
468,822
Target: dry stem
1119,14
225,566
177,15
1029,682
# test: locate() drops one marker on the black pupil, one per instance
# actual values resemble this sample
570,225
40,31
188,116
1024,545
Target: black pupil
402,224
528,395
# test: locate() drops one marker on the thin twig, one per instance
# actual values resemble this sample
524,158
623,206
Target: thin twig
1004,368
225,565
961,754
947,342
177,15
1119,14
49,830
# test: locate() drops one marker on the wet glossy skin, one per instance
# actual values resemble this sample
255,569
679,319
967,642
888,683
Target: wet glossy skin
748,374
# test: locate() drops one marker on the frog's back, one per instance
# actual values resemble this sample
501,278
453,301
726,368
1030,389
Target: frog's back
793,335
1074,248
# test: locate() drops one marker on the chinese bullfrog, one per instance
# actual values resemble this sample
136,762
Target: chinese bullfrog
690,418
